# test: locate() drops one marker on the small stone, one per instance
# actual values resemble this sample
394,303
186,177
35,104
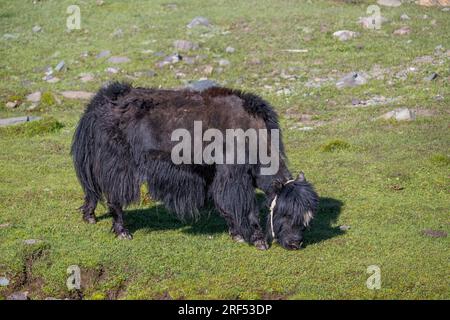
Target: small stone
284,92
9,36
434,233
11,104
32,107
345,35
224,62
103,54
401,114
17,120
52,79
423,59
352,79
202,85
37,29
405,17
112,70
344,227
118,33
208,70
4,282
18,296
5,225
34,97
390,3
77,95
60,66
199,21
86,77
99,2
117,60
402,31
255,61
230,50
30,241
184,45
432,77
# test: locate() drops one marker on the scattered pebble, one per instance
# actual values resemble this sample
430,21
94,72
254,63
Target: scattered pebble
230,50
284,91
199,21
172,59
103,54
390,3
344,35
12,104
117,60
184,45
434,233
432,77
34,97
224,62
16,120
18,296
112,70
402,31
37,29
86,77
400,114
77,95
344,227
404,17
30,241
352,79
4,282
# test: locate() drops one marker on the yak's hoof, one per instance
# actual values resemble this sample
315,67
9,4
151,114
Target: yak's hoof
90,219
238,238
261,245
124,235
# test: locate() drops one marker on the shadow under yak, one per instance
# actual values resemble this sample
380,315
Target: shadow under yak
159,218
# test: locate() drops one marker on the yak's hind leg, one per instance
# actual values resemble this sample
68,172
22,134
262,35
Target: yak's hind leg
234,197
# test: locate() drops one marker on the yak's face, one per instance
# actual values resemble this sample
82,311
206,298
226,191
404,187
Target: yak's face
292,211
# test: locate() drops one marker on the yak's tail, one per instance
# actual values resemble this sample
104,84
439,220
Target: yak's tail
83,154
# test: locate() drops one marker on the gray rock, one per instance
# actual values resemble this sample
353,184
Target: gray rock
400,114
432,77
117,60
9,36
4,282
86,77
17,120
30,241
118,33
224,62
52,79
199,21
352,79
345,35
172,59
403,31
202,85
37,29
5,225
34,97
60,66
184,45
18,296
112,70
77,95
423,59
390,3
103,54
230,50
405,17
11,104
344,227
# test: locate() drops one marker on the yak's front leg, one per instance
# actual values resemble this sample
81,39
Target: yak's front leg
234,197
118,226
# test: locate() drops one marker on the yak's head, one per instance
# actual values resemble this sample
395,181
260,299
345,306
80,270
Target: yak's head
292,208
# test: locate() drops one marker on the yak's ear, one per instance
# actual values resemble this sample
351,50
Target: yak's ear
277,185
301,176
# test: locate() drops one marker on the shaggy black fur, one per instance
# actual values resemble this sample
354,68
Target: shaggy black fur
123,141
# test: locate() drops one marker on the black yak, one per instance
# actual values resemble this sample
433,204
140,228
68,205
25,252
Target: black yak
125,139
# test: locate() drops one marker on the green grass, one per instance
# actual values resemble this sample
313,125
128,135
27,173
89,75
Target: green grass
388,182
